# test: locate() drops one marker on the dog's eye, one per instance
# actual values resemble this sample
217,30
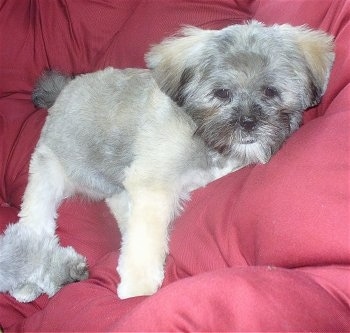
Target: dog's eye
271,92
222,93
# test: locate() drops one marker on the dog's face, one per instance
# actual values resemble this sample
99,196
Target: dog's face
244,86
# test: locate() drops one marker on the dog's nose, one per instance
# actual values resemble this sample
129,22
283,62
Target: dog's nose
247,122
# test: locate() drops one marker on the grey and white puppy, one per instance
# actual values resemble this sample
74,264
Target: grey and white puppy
211,102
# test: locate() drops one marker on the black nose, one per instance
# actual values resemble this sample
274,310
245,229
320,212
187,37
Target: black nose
248,122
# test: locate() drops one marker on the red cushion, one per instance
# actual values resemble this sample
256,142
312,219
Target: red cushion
264,249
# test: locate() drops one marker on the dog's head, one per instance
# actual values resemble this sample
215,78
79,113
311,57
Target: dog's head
245,86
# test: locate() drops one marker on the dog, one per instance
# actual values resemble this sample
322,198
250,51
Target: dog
210,102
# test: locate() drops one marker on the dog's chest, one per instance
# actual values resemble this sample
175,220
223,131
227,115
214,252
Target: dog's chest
199,177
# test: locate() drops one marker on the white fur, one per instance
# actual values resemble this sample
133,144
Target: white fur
46,188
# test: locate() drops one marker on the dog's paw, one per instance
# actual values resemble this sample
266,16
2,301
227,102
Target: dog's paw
63,265
78,268
128,288
26,293
31,265
139,280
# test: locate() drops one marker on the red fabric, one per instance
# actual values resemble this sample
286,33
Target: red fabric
264,249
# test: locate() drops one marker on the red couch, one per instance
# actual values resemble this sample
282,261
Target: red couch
264,249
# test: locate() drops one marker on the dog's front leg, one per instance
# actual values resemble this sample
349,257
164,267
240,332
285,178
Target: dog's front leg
145,240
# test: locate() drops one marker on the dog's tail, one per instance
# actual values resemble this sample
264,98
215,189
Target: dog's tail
48,87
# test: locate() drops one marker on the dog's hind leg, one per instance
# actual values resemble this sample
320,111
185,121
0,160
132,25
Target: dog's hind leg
31,260
47,187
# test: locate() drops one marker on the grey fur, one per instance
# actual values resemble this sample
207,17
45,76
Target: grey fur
48,88
211,102
95,147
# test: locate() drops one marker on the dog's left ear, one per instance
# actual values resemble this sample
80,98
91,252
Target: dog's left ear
172,61
317,48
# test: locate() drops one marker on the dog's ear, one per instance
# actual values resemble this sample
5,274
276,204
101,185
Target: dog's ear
173,60
317,48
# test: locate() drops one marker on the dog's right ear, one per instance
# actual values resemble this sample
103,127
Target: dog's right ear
317,49
173,60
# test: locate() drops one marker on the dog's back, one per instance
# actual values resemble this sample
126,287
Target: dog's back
48,88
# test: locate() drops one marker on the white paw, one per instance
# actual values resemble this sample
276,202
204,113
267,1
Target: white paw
26,293
139,280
